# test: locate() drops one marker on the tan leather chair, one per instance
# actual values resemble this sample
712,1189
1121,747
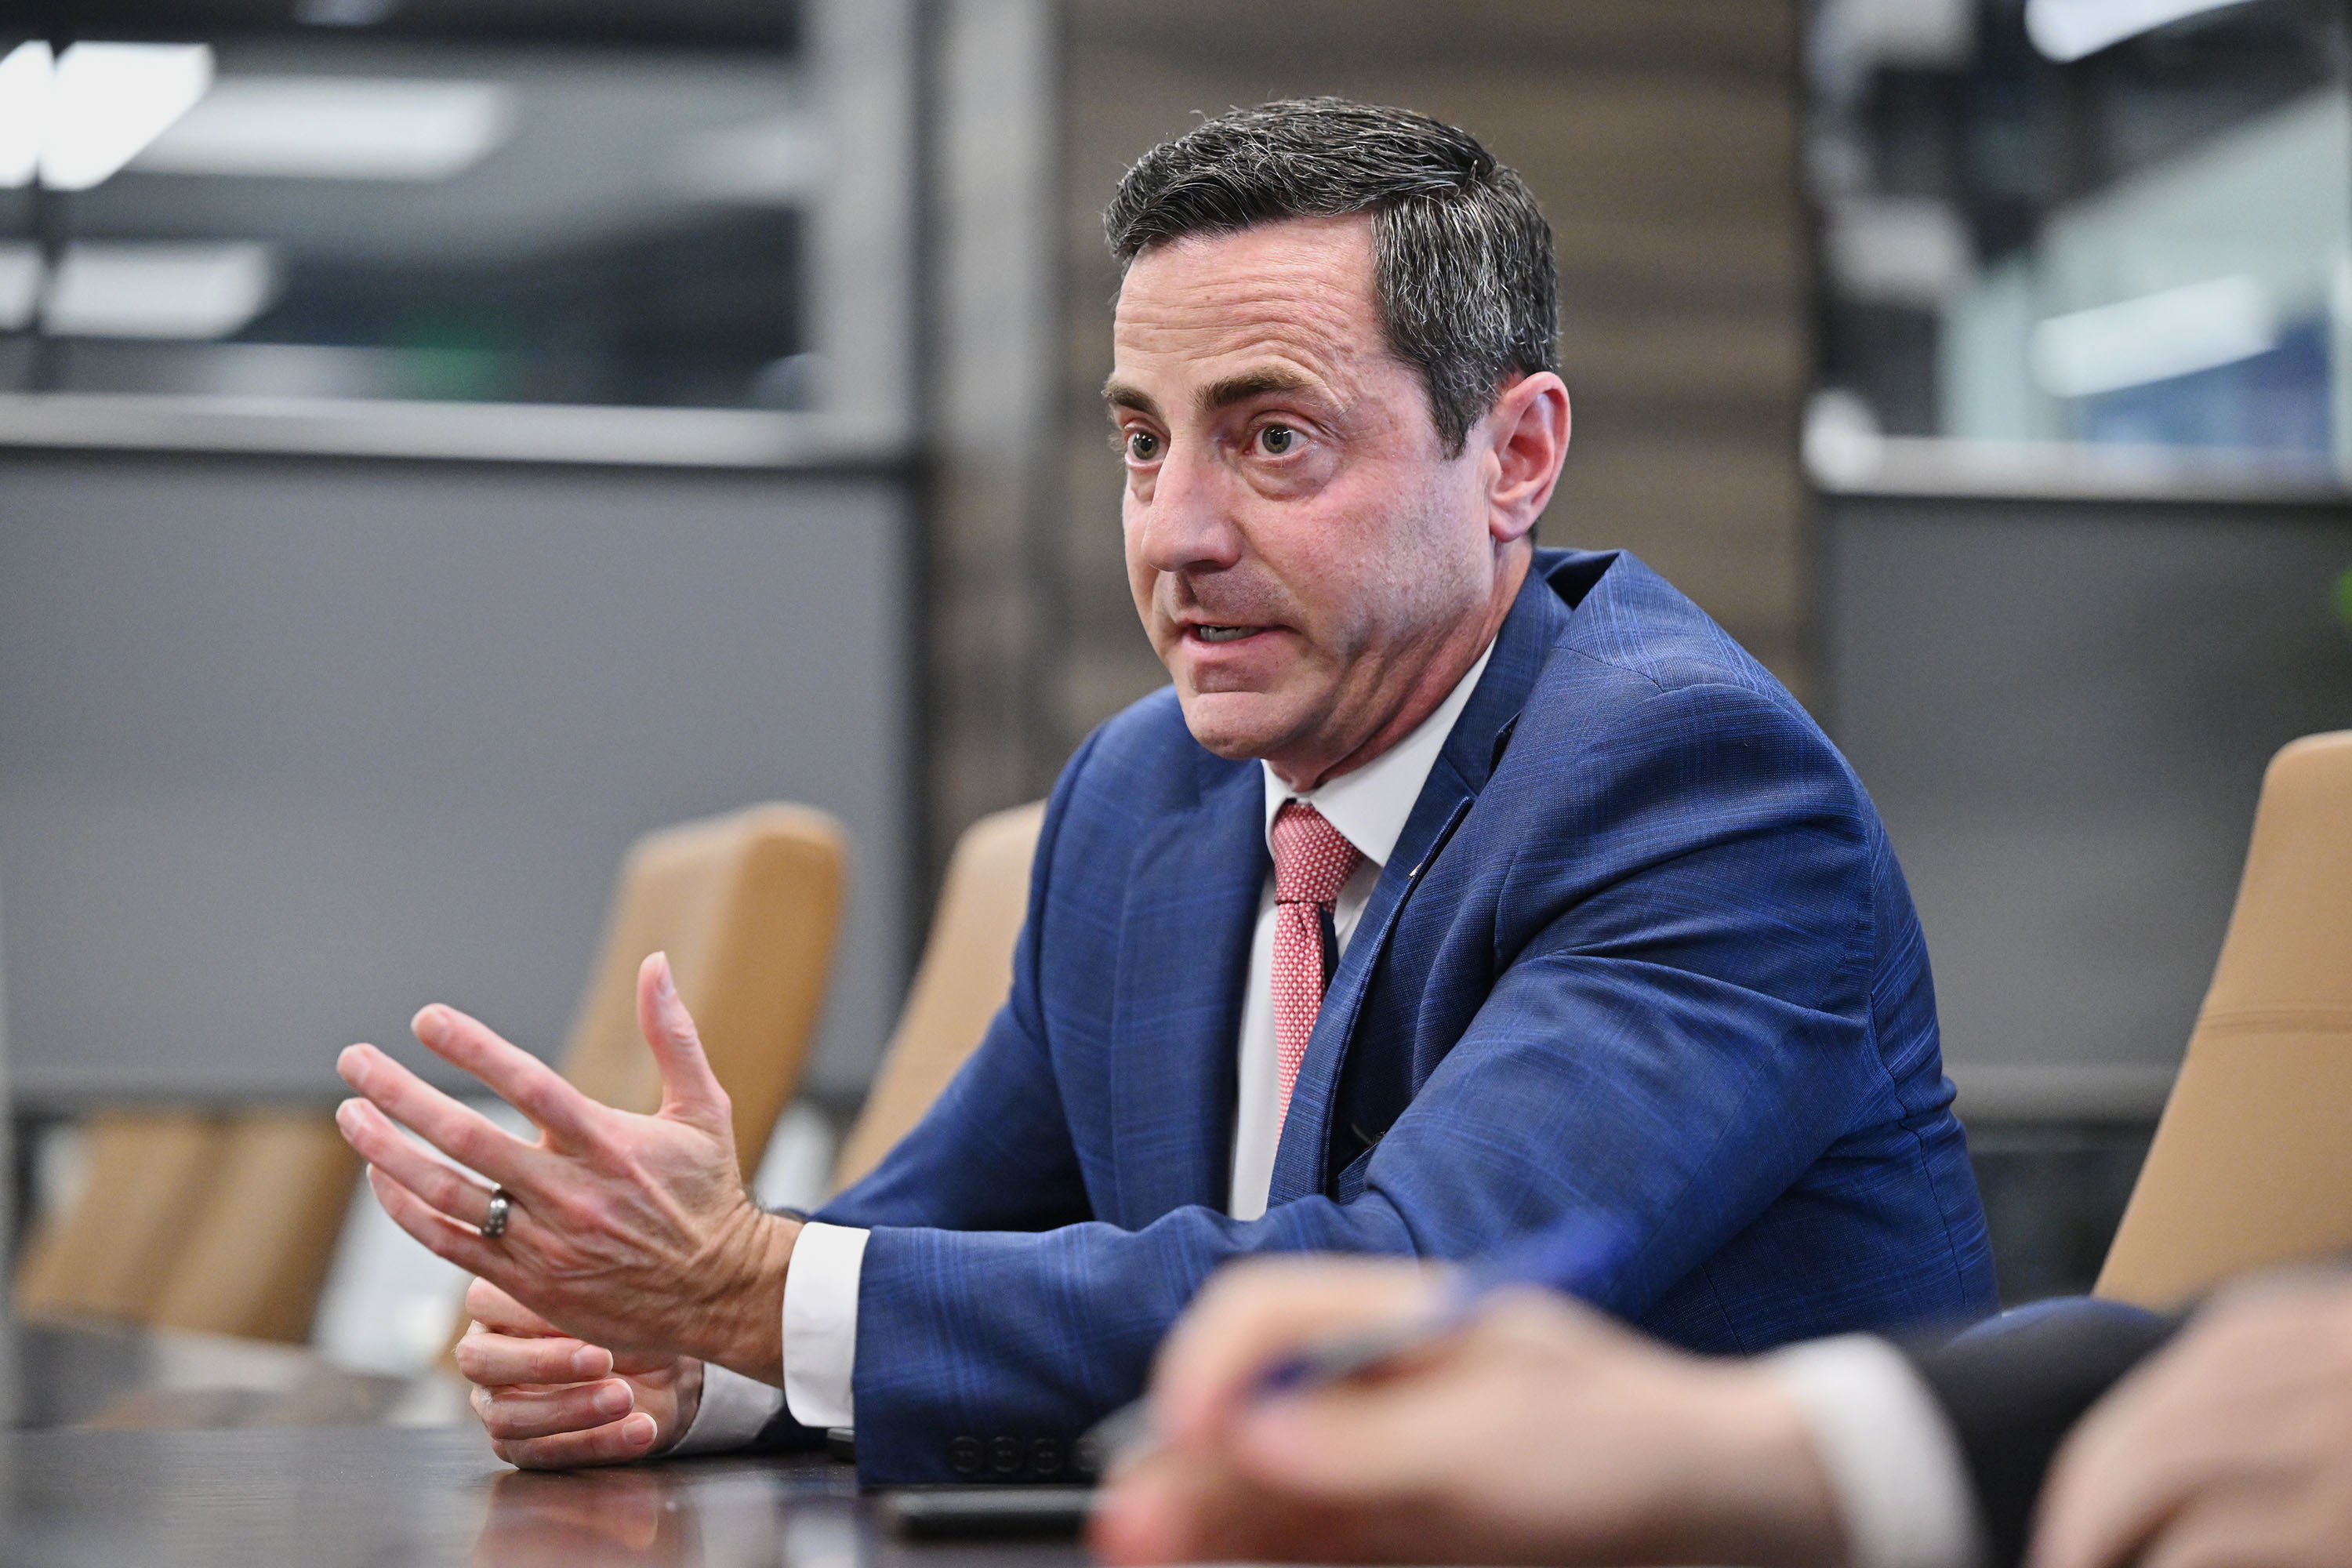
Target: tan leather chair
190,1219
108,1256
747,906
964,977
257,1250
2251,1165
228,1222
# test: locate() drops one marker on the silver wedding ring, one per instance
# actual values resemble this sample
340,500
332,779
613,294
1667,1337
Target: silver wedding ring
494,1224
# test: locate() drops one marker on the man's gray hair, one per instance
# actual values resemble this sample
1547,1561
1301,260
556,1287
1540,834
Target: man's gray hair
1461,265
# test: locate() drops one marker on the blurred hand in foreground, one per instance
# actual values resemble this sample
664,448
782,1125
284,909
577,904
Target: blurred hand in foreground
632,1235
1543,1432
2232,1446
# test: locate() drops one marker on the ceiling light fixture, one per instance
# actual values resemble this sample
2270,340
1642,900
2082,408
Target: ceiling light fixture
185,291
2174,331
21,272
108,101
777,161
26,73
2067,30
336,128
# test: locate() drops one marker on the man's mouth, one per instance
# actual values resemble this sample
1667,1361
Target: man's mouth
1225,634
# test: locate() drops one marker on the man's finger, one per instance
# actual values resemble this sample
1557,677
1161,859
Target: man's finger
690,1091
380,1143
1345,1442
516,1413
493,1360
501,1313
630,1437
2108,1489
466,1136
1192,1507
1163,1509
1252,1315
517,1076
438,1234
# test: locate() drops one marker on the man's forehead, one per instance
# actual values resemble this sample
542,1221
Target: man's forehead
1293,298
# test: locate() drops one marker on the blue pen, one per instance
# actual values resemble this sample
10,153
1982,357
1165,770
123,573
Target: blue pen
1576,1257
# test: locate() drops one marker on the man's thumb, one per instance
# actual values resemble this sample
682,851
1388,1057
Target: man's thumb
690,1091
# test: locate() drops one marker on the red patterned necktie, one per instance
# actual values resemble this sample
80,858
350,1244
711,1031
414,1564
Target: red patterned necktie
1312,860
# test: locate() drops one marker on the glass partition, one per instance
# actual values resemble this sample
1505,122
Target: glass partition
2085,243
232,211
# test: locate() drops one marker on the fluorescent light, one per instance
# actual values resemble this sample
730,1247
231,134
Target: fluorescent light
773,161
2156,337
25,77
1902,250
2069,29
20,285
336,128
108,101
183,292
1842,444
343,12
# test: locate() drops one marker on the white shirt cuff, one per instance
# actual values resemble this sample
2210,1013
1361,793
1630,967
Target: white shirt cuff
733,1409
1893,1463
820,1324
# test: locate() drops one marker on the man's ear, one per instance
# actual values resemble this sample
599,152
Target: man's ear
1526,437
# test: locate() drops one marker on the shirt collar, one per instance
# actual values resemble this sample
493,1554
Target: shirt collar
1370,804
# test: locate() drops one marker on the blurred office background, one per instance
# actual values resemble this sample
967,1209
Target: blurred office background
440,443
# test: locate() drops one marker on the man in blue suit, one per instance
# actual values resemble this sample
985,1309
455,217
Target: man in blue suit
1456,888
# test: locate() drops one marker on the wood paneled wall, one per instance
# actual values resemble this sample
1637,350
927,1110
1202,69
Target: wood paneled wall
1661,137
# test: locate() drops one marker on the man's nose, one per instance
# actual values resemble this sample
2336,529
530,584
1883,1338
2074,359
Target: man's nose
1187,524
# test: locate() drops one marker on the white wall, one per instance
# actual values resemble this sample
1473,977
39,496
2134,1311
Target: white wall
289,747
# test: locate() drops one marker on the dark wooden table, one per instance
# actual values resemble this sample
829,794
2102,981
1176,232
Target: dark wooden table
378,1496
163,1451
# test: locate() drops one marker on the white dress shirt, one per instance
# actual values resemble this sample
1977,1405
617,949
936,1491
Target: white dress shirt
1893,1462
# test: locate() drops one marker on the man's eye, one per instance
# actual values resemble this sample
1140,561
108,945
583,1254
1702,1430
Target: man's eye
1143,446
1277,440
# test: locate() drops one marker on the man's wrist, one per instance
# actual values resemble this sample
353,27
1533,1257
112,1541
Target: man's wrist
747,1304
1759,1492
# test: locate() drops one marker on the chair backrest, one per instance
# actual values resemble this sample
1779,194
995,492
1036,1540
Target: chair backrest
258,1248
964,977
109,1254
747,906
2251,1165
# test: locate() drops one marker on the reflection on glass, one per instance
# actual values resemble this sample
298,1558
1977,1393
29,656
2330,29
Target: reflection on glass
2120,229
457,212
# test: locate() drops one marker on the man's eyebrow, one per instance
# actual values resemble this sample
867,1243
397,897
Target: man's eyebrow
1253,383
1120,394
1216,394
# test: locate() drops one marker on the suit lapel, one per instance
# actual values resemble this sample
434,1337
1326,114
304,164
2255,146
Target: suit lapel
1535,621
1184,944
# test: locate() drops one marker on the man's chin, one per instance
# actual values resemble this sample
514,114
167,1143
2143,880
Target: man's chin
1236,725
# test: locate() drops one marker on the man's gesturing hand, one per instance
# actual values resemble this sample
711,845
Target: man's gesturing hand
633,1233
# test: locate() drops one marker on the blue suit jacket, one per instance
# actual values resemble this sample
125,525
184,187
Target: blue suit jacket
1643,953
